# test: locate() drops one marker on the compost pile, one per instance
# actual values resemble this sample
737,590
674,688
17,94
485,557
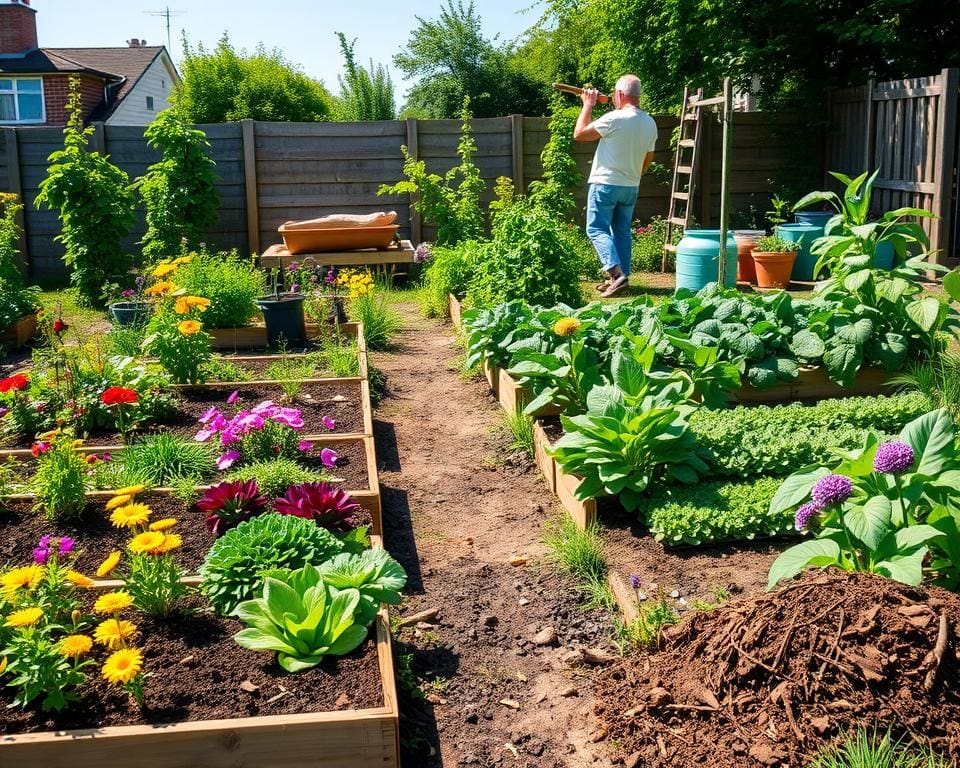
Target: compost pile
765,681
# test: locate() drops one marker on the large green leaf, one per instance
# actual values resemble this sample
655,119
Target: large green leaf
817,552
925,312
906,567
842,360
931,437
796,489
807,345
856,333
869,523
951,284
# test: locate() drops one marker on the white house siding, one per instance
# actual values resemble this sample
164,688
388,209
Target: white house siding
158,82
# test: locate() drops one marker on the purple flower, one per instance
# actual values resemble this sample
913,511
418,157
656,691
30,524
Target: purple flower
106,457
204,434
289,417
328,423
329,457
210,415
4,412
305,446
634,581
264,407
805,512
233,397
66,546
128,293
140,280
226,461
832,489
293,266
331,277
421,254
893,458
295,288
41,555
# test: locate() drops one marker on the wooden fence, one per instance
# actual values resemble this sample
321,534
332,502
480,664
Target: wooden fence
908,130
271,172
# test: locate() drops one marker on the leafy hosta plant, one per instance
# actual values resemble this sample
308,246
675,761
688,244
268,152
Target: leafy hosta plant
890,508
230,503
302,619
378,577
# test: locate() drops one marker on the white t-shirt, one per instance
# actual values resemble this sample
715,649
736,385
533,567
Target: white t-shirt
627,135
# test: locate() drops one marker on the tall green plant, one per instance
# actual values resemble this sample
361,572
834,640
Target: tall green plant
180,191
95,204
365,94
16,299
554,192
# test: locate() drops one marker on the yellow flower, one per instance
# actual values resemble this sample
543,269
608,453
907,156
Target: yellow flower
123,666
73,646
171,541
148,542
25,617
188,327
26,577
78,579
76,444
3,664
163,525
114,633
47,436
183,259
113,602
130,515
566,326
185,303
161,288
119,501
109,564
129,490
162,270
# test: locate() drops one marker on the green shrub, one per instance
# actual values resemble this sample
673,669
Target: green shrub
448,271
16,299
274,476
181,347
236,563
164,459
742,441
713,512
863,749
648,245
380,323
588,265
60,481
231,283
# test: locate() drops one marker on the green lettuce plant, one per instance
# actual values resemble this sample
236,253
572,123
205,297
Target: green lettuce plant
891,508
373,573
302,618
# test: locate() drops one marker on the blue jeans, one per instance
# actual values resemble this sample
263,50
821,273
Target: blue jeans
609,213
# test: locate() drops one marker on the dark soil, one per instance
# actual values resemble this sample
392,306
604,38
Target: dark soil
196,670
766,680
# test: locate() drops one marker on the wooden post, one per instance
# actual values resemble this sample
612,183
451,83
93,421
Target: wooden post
945,159
99,138
516,129
248,132
15,185
868,140
706,169
416,225
725,176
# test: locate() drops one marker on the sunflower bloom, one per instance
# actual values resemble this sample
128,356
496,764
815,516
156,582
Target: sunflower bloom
185,303
188,327
148,542
162,270
73,646
123,666
164,524
113,602
160,289
25,617
26,577
107,566
130,515
171,541
566,326
114,633
78,579
130,490
119,501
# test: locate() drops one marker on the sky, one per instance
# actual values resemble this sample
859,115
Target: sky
303,30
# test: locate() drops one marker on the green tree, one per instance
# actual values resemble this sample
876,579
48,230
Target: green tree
180,191
365,94
223,85
554,192
451,59
95,203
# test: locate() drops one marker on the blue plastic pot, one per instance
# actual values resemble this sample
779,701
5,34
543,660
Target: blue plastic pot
883,256
817,218
804,234
698,259
130,313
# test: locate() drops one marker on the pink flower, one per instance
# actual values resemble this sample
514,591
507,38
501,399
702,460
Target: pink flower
128,293
305,446
4,412
329,457
210,415
229,436
264,407
328,422
106,457
289,417
226,461
204,434
233,397
249,421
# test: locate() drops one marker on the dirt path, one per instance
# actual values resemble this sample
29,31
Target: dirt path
457,510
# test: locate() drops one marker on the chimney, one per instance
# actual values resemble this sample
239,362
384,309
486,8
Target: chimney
135,43
18,27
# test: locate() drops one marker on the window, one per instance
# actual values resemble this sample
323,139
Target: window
150,103
21,100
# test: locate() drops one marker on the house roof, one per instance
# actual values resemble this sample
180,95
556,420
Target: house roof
116,65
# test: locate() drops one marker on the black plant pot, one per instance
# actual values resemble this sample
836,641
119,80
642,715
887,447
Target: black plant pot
284,319
131,313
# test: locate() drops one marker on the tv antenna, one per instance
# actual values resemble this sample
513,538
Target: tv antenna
166,13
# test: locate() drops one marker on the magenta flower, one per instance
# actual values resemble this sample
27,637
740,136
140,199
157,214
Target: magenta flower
326,505
211,413
66,546
264,407
4,412
106,457
305,446
331,277
295,288
832,489
204,434
289,417
893,458
233,397
226,461
293,266
328,423
804,513
128,293
228,504
329,457
41,555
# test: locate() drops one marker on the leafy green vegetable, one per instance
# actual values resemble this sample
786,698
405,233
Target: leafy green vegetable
377,576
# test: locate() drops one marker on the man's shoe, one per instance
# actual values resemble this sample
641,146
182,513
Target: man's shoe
615,287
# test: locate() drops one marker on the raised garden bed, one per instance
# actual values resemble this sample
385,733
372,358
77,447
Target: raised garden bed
455,309
15,336
255,336
564,485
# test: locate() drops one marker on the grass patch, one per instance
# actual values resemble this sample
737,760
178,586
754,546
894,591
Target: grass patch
64,301
644,631
580,554
519,427
163,459
866,750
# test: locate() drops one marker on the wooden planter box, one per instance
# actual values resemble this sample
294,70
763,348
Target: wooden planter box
814,384
359,738
545,463
563,485
255,336
455,310
514,398
13,337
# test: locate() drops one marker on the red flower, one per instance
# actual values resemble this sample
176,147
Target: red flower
39,448
59,326
118,396
13,383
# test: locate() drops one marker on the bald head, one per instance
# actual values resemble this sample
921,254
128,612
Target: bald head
629,88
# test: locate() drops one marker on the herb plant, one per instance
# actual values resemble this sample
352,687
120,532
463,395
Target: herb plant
180,344
60,480
230,282
163,459
274,476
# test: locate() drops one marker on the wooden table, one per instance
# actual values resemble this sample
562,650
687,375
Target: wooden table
278,256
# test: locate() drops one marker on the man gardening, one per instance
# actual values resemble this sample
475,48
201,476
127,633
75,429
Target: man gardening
627,136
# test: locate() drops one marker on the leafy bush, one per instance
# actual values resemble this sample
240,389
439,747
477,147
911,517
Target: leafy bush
365,94
180,191
713,512
180,345
60,480
16,299
775,244
774,441
448,271
380,322
234,567
648,242
274,476
554,191
231,283
164,459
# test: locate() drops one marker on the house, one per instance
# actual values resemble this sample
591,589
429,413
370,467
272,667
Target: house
119,86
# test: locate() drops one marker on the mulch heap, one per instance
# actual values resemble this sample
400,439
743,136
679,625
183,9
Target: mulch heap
767,680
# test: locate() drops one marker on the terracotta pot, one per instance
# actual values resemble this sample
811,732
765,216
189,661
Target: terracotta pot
746,239
773,269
